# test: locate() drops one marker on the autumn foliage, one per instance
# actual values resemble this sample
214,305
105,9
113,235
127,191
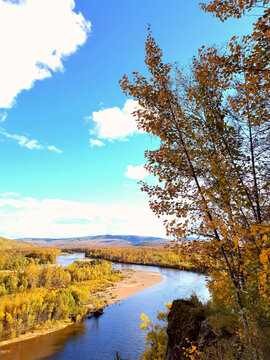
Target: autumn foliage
36,293
213,162
223,9
147,256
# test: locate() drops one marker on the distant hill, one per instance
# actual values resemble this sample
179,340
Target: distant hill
99,240
8,244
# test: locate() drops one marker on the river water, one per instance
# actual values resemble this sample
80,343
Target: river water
118,328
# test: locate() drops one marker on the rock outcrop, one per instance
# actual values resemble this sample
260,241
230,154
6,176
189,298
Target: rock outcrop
190,332
184,324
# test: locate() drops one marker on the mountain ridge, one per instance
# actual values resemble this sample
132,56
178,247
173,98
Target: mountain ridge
97,240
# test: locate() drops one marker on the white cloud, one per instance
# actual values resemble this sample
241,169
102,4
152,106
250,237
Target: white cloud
36,35
22,140
9,193
115,123
29,217
54,148
30,144
96,142
3,116
136,172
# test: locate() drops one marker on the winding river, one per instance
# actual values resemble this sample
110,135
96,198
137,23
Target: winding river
118,328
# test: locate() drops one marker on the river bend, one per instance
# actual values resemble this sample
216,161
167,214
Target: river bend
118,328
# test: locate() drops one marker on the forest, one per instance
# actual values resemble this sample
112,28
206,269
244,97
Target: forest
163,257
35,293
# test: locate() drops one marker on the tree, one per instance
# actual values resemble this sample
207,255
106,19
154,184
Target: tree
213,162
156,337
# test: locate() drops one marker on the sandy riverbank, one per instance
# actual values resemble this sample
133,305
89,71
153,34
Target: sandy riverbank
133,282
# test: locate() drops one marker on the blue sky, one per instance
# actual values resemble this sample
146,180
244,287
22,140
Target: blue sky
71,154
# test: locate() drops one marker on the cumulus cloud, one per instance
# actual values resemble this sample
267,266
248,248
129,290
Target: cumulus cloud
36,36
30,217
30,144
115,123
136,172
96,142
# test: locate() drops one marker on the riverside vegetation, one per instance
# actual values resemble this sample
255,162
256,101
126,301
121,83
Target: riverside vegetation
35,293
195,331
147,256
211,330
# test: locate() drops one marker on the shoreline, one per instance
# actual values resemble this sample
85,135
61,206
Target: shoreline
163,266
133,282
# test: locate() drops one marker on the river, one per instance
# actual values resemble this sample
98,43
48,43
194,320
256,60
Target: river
118,328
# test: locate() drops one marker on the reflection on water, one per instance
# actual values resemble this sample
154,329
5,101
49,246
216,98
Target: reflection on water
43,346
118,328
